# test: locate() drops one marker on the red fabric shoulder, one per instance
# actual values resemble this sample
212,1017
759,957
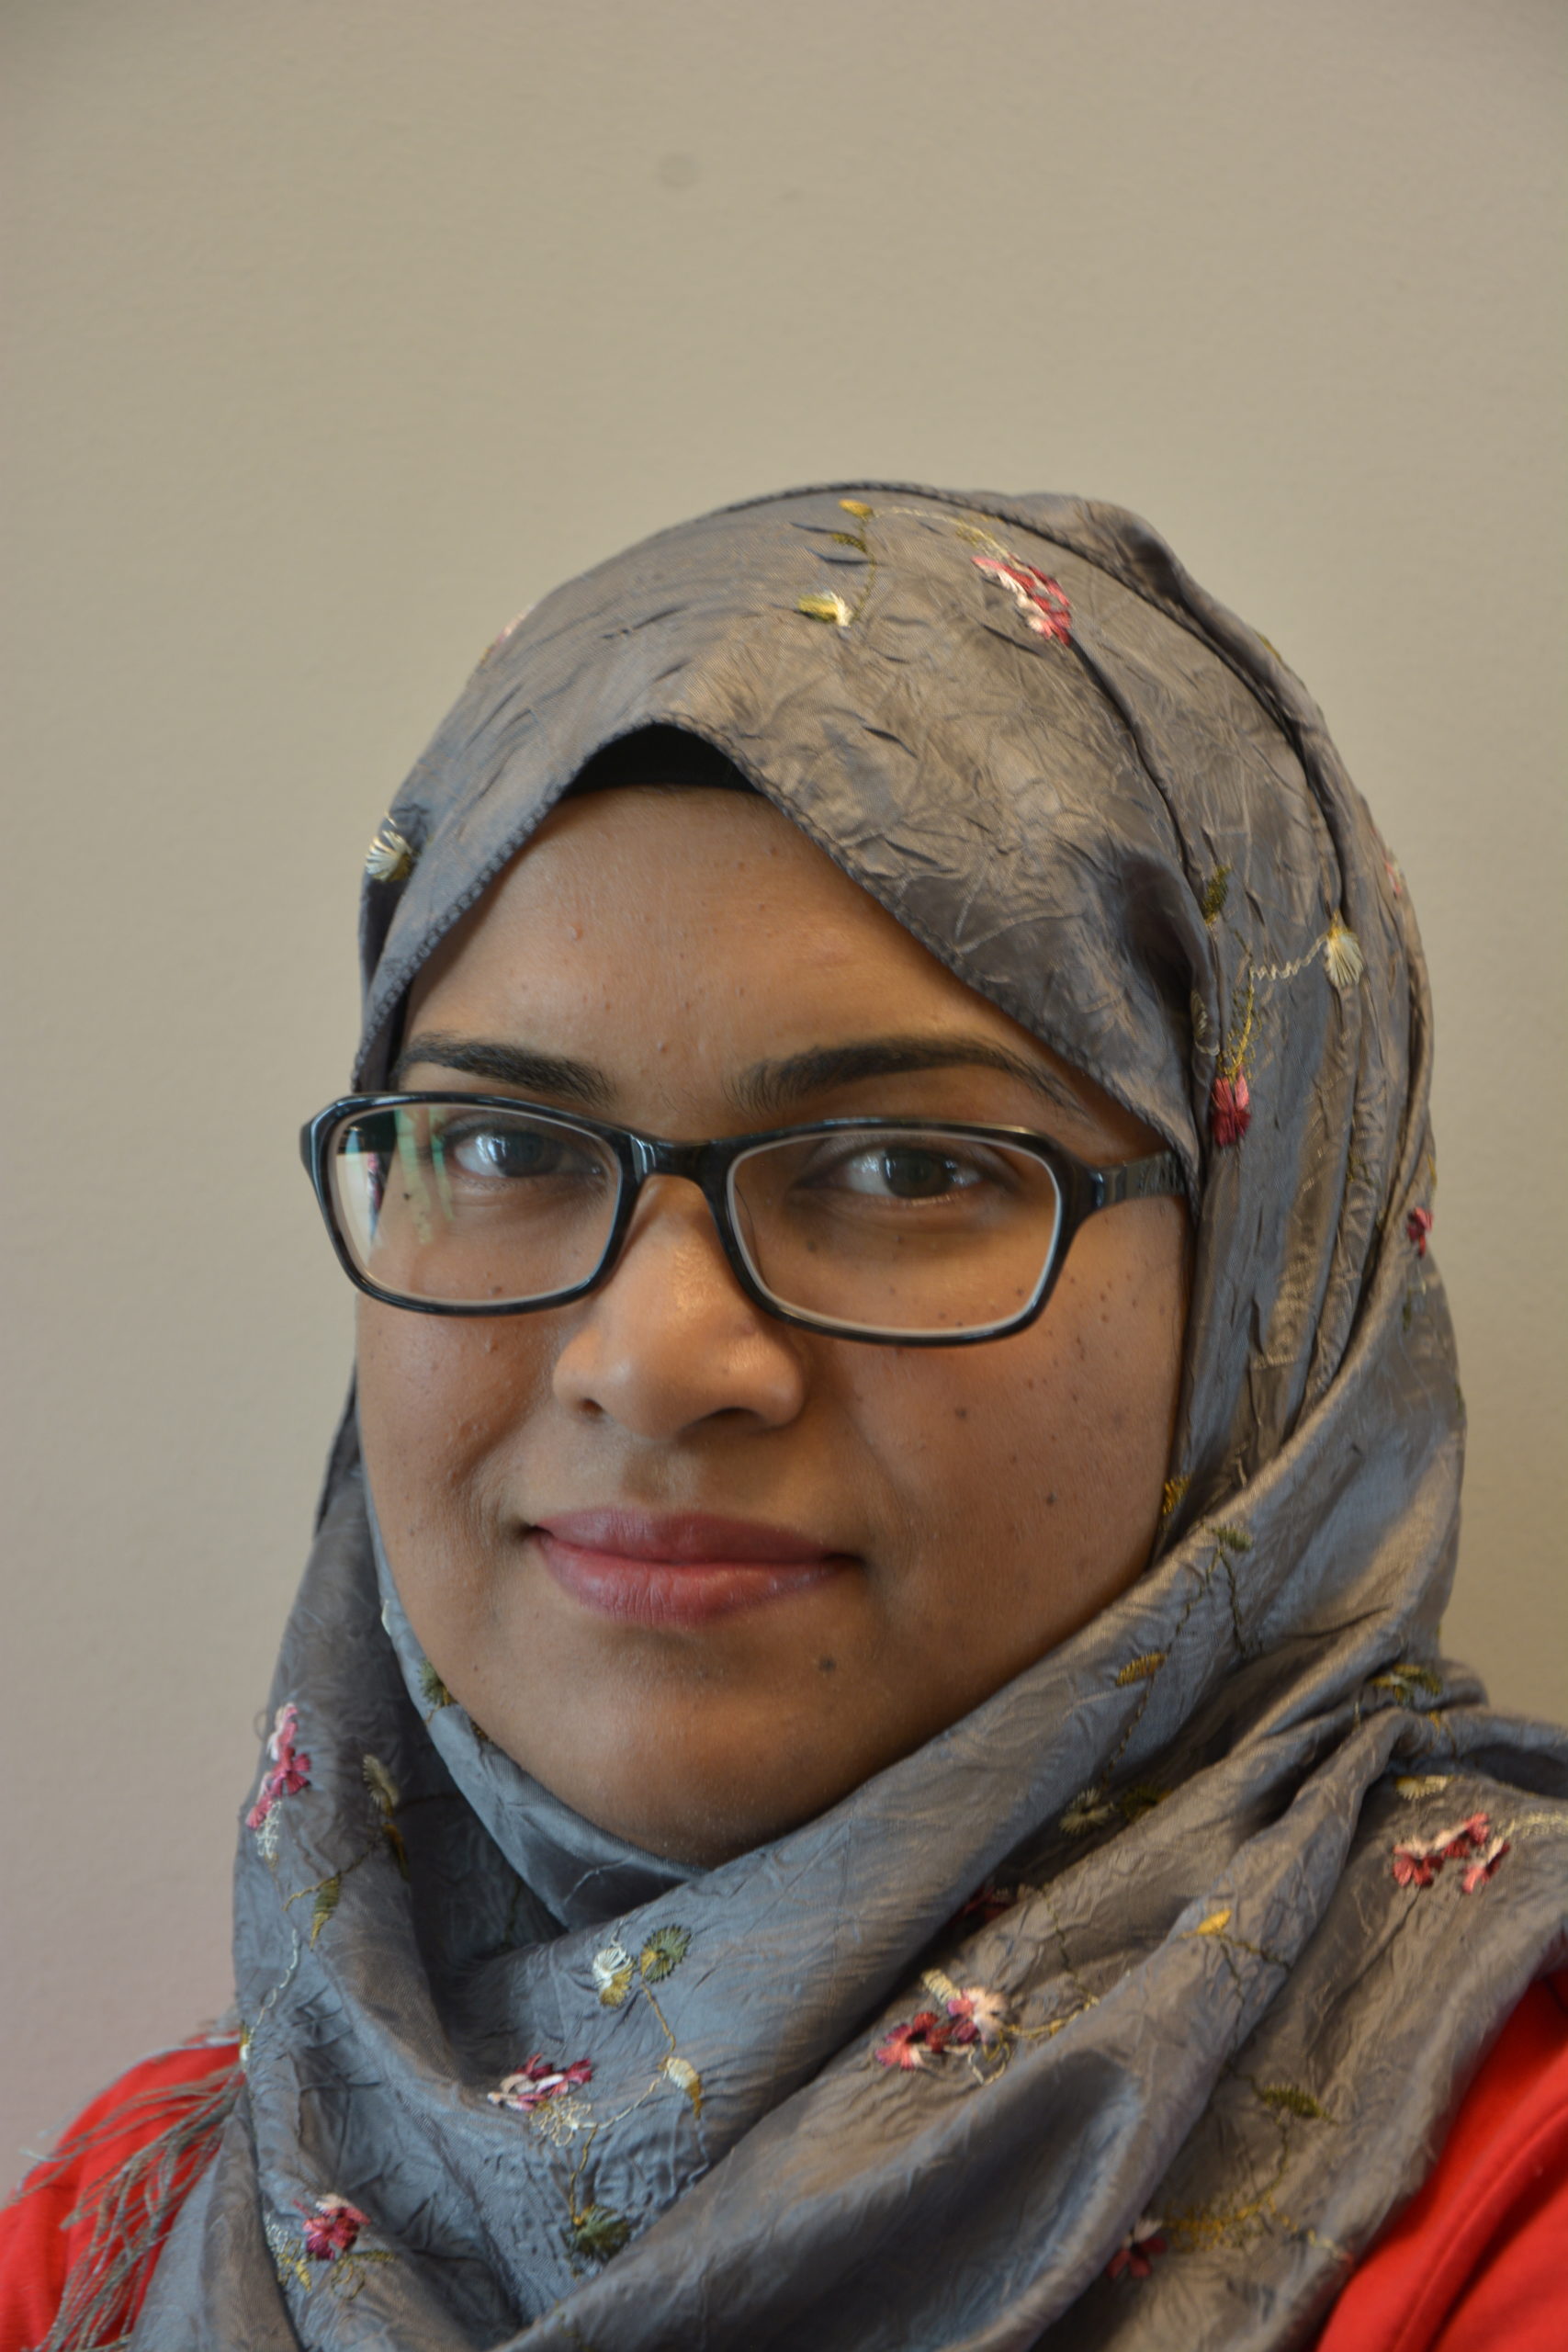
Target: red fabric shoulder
1479,2257
42,2234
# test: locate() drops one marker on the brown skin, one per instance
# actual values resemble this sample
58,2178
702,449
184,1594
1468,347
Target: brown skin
991,1500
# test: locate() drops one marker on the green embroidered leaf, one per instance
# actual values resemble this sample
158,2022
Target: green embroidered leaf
597,2232
825,608
1233,1539
1171,1494
1140,1670
1216,890
400,1852
432,1688
848,540
380,1783
686,2076
613,1975
1140,1798
1285,2097
1202,1036
663,1951
1404,1677
1087,1812
325,1904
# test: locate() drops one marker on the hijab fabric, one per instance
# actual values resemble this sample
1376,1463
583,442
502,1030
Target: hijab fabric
1125,2011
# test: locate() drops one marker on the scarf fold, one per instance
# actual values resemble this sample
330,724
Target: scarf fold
1125,2011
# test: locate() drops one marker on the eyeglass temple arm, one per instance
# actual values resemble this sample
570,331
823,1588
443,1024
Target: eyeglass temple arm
1141,1180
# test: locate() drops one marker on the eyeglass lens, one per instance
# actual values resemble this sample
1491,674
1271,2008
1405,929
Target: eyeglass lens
897,1230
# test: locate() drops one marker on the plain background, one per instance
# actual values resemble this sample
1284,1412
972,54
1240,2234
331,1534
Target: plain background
340,331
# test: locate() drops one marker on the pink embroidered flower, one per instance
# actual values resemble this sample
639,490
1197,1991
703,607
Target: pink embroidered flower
1136,2253
290,1770
1465,1836
976,2015
988,1903
538,2081
1230,1110
1418,1860
332,2228
1040,601
1485,1865
910,2045
1418,1226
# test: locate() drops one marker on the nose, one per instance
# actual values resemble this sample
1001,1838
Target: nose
670,1340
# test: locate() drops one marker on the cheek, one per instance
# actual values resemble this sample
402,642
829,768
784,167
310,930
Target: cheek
1028,1473
442,1402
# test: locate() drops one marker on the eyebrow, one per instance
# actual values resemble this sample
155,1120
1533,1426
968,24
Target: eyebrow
764,1090
510,1066
769,1087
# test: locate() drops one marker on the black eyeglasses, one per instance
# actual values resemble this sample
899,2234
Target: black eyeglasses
922,1234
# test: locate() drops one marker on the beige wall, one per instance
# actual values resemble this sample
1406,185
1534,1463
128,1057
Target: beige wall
341,329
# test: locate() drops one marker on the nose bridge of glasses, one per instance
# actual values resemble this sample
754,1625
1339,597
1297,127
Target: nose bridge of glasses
693,1163
653,1156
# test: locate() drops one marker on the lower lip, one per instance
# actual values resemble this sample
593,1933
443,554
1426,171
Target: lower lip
675,1592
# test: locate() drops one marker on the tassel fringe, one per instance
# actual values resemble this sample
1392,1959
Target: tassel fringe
131,2208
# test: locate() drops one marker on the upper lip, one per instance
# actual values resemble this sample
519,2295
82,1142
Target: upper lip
681,1539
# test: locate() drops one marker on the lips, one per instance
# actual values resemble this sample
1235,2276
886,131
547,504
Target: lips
678,1568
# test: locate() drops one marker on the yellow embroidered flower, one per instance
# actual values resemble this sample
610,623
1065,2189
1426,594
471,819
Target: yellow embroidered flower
390,857
613,1974
825,608
1342,957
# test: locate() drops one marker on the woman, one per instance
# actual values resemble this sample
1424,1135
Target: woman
862,1759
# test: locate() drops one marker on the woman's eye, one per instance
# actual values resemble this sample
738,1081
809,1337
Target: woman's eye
507,1153
907,1172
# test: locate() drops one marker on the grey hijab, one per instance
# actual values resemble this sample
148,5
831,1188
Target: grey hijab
1126,2010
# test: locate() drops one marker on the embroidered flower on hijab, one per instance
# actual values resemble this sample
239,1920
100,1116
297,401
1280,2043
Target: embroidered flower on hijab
909,2044
290,1770
825,607
333,2229
391,855
1418,1860
970,2015
1342,957
1485,1865
988,1903
1136,2253
537,2081
1042,602
1418,1226
1230,1110
976,2015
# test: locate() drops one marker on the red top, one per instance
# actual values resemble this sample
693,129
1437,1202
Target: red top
1477,2260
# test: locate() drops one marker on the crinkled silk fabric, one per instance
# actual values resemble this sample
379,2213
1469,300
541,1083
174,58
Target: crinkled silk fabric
1111,808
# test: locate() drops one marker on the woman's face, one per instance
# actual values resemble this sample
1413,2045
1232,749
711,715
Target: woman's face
905,1529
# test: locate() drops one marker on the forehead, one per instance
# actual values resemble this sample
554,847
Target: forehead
648,894
681,949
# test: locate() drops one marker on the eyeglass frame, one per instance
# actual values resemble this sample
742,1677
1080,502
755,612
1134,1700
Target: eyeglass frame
1082,1190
